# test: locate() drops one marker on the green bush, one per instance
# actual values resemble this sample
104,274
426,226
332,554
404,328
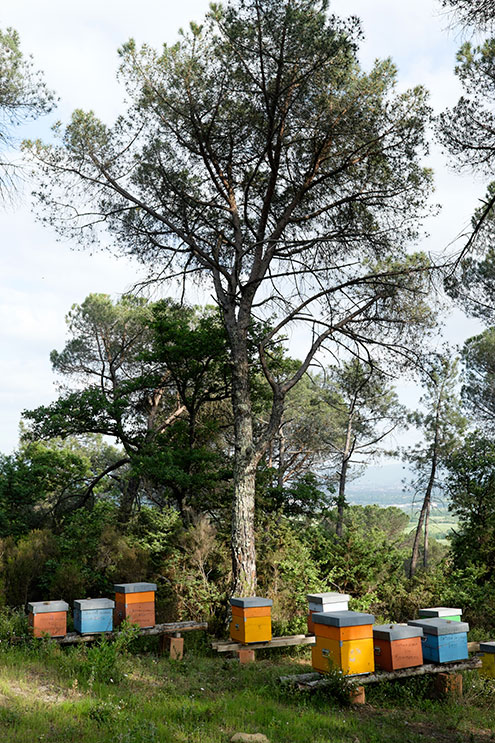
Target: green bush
13,623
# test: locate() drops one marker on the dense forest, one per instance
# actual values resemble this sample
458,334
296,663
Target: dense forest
189,445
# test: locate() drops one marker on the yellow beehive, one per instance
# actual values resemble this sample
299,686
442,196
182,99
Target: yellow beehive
251,619
487,659
344,640
352,657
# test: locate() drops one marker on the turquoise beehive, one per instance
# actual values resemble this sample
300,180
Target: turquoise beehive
93,615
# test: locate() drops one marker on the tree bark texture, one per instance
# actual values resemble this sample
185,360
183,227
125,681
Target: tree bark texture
245,463
425,509
425,544
347,453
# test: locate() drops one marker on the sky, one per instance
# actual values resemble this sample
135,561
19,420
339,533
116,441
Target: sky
75,44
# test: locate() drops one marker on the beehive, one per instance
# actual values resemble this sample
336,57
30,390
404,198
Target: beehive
324,602
396,646
344,640
135,602
93,615
443,612
48,618
487,659
444,640
251,619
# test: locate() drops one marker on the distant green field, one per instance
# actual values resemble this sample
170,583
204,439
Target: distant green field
441,524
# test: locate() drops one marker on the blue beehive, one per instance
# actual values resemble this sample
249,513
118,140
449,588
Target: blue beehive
444,641
93,615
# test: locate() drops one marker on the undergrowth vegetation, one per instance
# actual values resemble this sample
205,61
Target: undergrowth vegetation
125,693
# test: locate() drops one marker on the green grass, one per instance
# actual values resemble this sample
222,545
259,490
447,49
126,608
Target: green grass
49,695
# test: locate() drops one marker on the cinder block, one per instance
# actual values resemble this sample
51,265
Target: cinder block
358,695
448,684
246,655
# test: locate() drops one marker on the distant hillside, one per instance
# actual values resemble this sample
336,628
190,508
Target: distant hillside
382,484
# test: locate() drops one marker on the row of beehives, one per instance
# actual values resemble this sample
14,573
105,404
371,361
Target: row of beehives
348,640
133,601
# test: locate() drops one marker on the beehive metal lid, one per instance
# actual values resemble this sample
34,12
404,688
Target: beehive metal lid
43,607
395,632
439,626
134,587
487,647
327,598
250,602
440,611
342,618
91,604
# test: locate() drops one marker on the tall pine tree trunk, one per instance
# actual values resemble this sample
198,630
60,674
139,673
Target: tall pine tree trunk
425,508
425,543
423,516
245,463
128,499
346,455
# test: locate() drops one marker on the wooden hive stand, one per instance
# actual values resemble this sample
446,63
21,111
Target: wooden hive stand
450,678
169,636
247,654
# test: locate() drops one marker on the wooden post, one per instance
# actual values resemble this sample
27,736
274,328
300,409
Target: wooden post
357,695
173,644
246,655
448,684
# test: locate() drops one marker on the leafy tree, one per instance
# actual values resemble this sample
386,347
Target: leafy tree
391,520
43,481
309,427
257,156
471,486
120,382
480,14
365,562
478,389
441,424
367,404
23,96
467,132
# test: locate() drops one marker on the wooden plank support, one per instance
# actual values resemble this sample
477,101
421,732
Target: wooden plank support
168,628
318,680
275,642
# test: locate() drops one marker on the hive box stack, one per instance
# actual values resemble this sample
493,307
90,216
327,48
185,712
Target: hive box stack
487,659
442,612
251,619
344,639
135,602
48,618
93,615
396,646
325,602
444,640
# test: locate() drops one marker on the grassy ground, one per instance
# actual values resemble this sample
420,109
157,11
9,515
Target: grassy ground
52,695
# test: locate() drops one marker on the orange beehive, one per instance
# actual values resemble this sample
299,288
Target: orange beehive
48,618
251,619
397,646
135,602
